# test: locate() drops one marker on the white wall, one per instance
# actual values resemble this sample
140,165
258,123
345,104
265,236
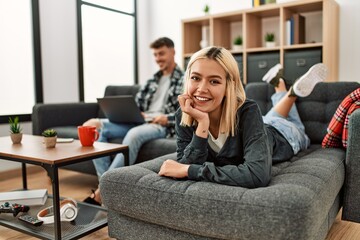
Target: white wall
349,40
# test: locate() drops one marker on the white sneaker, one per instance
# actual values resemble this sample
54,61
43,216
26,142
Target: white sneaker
272,73
306,83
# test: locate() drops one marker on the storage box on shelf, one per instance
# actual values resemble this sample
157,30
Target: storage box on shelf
259,63
314,30
298,61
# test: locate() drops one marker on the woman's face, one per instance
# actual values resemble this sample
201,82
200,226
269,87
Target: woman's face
207,85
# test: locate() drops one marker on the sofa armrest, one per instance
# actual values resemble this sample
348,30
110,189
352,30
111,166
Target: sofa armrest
61,114
351,206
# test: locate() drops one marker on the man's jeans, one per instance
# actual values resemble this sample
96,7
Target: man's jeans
291,127
133,135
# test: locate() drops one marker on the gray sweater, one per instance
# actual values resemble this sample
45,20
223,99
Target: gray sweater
245,159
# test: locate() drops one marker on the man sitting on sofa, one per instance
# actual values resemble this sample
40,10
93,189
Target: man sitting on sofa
156,99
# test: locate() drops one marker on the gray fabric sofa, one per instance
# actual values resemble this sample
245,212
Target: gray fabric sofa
65,117
301,201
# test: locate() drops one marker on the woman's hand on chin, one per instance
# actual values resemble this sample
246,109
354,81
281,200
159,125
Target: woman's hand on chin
188,106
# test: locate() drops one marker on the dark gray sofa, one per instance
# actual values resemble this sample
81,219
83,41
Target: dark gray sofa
301,201
65,117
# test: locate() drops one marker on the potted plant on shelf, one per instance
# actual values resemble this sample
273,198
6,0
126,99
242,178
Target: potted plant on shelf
50,136
269,40
15,130
206,9
270,1
237,43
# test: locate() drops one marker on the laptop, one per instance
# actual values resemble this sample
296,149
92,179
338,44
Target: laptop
121,109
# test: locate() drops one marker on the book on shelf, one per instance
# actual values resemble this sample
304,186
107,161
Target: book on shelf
256,3
299,29
25,197
269,1
295,29
288,32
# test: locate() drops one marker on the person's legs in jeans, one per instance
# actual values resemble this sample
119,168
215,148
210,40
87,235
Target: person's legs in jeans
284,105
109,131
285,118
135,138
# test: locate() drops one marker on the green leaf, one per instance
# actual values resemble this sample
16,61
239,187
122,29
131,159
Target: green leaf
49,133
14,125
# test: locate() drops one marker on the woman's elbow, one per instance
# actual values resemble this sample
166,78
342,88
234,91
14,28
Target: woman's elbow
263,180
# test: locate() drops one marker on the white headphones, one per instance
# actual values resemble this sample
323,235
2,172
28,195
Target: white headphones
68,212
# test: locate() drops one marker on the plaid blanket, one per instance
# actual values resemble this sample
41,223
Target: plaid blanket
337,131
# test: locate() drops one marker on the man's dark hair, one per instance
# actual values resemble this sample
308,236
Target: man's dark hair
164,41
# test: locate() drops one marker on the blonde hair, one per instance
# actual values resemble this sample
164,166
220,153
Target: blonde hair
234,93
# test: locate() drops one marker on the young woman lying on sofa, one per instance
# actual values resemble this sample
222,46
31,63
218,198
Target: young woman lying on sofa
221,135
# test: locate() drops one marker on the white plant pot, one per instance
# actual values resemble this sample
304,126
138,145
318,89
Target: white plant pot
16,137
237,47
50,142
270,44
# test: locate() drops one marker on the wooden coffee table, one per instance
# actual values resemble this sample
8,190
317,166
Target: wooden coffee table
32,151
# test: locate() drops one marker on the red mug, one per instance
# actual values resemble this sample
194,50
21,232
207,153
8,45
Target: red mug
87,135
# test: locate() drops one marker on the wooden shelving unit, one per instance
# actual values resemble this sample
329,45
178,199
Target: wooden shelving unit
321,32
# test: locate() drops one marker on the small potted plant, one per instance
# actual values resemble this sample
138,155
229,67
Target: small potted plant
270,1
15,130
50,136
269,40
206,9
237,43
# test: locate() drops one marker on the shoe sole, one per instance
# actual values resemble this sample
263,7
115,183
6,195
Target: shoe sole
306,83
272,72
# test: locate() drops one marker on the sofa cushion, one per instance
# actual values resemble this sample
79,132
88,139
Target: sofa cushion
261,93
51,115
67,132
156,148
315,110
291,207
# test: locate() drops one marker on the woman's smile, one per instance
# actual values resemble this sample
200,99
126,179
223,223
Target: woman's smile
202,99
